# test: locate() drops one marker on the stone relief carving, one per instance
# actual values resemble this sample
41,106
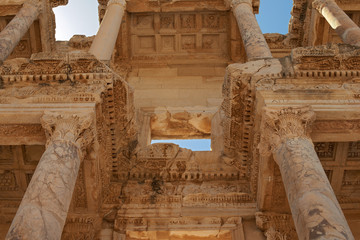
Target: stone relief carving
329,57
8,181
354,151
21,130
276,226
80,228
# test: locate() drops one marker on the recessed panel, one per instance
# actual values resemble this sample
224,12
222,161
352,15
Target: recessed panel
188,42
354,151
168,43
144,21
188,21
33,153
325,150
351,178
6,155
167,21
145,44
211,41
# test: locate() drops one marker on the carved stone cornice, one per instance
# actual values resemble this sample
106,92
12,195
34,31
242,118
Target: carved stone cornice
280,124
69,127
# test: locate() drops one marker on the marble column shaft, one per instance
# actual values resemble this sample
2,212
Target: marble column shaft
11,35
44,207
338,20
315,209
105,39
255,44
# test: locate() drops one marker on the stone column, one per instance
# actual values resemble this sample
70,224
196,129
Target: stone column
315,209
43,210
105,39
11,35
255,44
338,20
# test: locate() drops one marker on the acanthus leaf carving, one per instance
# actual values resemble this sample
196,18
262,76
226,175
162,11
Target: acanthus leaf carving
280,124
74,128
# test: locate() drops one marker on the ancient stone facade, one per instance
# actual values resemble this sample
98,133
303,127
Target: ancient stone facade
282,112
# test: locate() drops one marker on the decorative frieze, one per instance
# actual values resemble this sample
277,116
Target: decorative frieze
329,57
182,223
81,227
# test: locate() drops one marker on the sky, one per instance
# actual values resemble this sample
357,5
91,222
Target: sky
81,17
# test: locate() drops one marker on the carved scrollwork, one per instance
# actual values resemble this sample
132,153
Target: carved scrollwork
281,124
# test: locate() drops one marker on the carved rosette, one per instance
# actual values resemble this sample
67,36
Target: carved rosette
74,128
278,125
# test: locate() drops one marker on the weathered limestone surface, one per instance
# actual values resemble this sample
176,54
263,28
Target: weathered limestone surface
339,20
253,39
105,39
16,29
47,199
315,209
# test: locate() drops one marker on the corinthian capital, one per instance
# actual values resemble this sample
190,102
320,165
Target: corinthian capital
319,4
33,4
234,3
70,127
278,125
56,3
118,2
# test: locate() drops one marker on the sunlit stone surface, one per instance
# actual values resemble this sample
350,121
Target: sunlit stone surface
77,119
